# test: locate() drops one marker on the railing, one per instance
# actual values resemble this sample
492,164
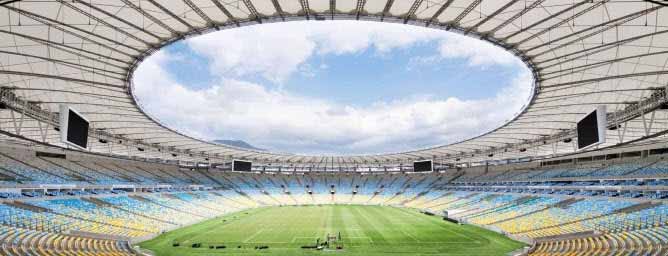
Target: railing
98,235
642,222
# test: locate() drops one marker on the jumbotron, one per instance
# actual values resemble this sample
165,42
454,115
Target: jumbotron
580,170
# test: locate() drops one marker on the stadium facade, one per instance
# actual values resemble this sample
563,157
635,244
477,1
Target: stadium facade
526,178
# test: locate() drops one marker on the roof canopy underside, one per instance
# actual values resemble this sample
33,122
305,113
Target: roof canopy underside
583,53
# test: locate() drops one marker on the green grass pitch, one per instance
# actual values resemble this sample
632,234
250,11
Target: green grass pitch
365,230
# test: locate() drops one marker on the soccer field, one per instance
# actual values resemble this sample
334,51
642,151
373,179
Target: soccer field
364,230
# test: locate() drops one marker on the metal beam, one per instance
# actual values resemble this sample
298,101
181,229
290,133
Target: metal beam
306,9
171,14
150,17
438,12
199,12
360,8
492,15
68,79
569,96
279,10
49,42
7,2
545,75
226,12
514,17
414,7
56,24
255,15
92,69
466,11
558,24
332,8
605,26
597,49
113,98
605,78
386,9
101,21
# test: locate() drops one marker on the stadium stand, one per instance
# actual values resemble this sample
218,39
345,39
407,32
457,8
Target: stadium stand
567,210
527,178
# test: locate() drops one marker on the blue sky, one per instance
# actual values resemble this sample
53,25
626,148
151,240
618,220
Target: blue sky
333,87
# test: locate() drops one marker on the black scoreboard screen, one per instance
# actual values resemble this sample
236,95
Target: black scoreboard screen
241,166
423,166
73,127
591,128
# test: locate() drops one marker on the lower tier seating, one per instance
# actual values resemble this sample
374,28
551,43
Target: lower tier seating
21,242
650,242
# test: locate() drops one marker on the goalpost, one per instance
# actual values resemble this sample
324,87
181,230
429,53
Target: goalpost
334,240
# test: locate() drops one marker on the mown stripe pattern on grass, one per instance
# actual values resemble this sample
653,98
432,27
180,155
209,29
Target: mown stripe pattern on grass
366,230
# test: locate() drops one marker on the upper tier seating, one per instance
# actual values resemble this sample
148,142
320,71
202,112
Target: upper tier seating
584,210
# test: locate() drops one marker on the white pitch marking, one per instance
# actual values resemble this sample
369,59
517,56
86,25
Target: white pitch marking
254,235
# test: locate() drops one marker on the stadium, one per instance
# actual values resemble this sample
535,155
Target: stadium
88,166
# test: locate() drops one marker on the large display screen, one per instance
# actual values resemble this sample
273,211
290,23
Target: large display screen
423,166
591,128
73,127
241,166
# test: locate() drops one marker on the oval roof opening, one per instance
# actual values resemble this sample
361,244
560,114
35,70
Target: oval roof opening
334,87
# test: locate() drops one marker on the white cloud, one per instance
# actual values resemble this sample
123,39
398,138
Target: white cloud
477,52
253,51
277,50
275,119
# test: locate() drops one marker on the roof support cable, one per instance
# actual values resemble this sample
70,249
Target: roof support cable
103,22
597,49
57,25
463,14
491,16
605,26
171,14
548,18
225,11
560,23
150,17
201,13
516,16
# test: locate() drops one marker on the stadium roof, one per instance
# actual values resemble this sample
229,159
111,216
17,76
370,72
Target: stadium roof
583,53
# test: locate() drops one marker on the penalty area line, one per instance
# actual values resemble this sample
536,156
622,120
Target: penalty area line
254,235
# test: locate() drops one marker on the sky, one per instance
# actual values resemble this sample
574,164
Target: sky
334,87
